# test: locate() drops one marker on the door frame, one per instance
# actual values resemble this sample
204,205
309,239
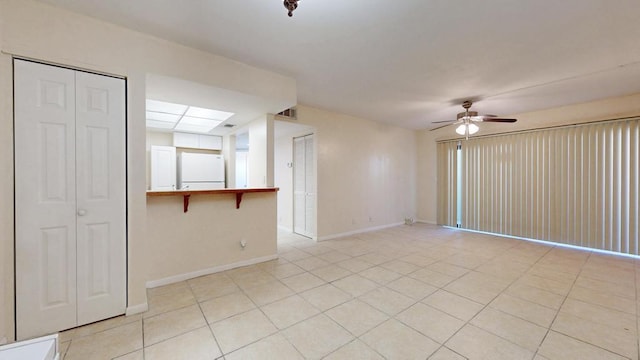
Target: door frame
313,235
126,172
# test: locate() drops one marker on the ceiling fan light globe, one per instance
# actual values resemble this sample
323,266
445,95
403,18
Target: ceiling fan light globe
467,129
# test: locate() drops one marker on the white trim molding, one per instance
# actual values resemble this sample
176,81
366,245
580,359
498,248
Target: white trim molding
430,222
359,231
136,309
551,243
215,269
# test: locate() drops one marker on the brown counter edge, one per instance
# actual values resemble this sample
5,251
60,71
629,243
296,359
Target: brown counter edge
186,194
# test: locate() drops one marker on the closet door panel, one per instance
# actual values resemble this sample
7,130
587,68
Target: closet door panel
304,186
70,198
44,199
100,179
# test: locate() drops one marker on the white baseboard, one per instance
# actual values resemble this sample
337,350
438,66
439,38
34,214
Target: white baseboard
430,222
547,242
359,231
137,309
215,269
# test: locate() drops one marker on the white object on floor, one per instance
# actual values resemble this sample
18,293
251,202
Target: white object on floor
42,348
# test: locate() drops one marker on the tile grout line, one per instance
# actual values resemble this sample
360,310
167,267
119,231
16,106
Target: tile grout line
206,322
590,253
356,337
258,307
395,257
468,322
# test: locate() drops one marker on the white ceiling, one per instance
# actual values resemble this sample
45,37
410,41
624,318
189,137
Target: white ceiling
245,107
411,62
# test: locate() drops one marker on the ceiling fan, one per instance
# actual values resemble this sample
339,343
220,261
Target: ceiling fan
467,120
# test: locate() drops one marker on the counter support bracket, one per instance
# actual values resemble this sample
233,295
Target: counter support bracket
238,199
185,201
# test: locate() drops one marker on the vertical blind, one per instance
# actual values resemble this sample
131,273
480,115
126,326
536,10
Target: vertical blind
447,180
576,185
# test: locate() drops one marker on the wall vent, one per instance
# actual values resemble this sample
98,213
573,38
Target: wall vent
289,114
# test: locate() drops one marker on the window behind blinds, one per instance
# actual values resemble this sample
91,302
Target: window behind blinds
577,185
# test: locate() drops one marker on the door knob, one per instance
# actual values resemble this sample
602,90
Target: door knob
82,212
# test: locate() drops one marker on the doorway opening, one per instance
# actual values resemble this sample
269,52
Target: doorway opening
242,160
286,165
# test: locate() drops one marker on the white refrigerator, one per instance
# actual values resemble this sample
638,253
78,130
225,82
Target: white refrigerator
200,171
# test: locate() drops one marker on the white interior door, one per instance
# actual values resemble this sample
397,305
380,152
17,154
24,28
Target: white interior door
304,193
69,197
100,196
163,168
45,199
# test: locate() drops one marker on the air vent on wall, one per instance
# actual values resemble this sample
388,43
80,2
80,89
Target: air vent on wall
288,113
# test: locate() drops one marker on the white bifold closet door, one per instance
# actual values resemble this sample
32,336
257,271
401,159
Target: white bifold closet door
304,190
70,198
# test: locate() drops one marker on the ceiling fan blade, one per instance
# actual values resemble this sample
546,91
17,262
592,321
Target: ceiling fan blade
441,126
492,119
445,121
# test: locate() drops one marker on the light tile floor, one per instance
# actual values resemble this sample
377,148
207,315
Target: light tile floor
409,292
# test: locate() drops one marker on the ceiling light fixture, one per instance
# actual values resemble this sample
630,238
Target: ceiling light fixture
466,121
290,5
467,129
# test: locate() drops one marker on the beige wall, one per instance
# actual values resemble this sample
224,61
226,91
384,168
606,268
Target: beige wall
366,172
207,237
38,31
620,107
260,157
